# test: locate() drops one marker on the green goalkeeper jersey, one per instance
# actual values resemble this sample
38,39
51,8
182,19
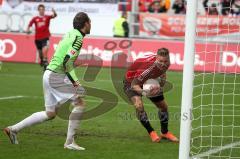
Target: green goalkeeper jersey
66,54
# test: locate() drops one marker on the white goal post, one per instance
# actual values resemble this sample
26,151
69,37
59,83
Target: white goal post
188,73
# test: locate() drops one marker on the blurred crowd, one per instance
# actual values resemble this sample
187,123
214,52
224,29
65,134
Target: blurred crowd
224,7
211,7
154,6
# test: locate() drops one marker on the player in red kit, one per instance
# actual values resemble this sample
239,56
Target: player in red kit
141,70
42,33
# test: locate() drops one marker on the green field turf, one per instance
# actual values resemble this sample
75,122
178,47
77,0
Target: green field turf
115,134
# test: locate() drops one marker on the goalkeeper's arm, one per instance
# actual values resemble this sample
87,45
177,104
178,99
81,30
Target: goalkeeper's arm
69,70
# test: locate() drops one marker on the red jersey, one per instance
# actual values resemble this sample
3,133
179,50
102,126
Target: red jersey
41,26
143,69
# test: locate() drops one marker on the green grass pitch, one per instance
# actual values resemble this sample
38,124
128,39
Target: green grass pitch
115,134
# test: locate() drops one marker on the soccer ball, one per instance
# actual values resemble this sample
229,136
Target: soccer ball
149,84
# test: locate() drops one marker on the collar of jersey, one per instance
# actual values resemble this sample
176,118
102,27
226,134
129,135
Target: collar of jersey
80,32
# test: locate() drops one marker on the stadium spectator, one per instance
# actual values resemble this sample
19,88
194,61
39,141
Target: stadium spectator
165,3
155,7
179,7
210,10
226,6
125,5
121,28
143,5
236,7
159,6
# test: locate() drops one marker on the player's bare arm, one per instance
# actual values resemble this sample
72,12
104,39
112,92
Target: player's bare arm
54,15
136,86
29,26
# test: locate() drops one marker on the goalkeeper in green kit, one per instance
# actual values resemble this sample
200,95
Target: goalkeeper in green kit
60,84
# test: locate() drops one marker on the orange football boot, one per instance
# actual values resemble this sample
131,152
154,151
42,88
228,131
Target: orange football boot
169,136
154,136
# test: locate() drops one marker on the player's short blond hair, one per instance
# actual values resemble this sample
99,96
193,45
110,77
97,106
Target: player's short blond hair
163,52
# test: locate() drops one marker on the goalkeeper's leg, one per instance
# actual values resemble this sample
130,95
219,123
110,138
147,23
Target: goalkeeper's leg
33,119
74,120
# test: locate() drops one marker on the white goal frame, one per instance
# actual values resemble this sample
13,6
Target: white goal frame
188,74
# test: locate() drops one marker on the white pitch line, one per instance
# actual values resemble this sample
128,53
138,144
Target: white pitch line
216,150
100,80
11,97
146,104
97,101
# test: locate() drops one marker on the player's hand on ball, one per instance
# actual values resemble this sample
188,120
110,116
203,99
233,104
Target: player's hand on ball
151,87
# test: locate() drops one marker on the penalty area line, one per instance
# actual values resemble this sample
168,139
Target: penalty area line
216,150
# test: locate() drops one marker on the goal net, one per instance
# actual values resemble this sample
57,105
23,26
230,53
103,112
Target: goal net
215,122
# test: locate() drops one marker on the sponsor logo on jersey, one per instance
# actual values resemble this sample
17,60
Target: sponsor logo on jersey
72,52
